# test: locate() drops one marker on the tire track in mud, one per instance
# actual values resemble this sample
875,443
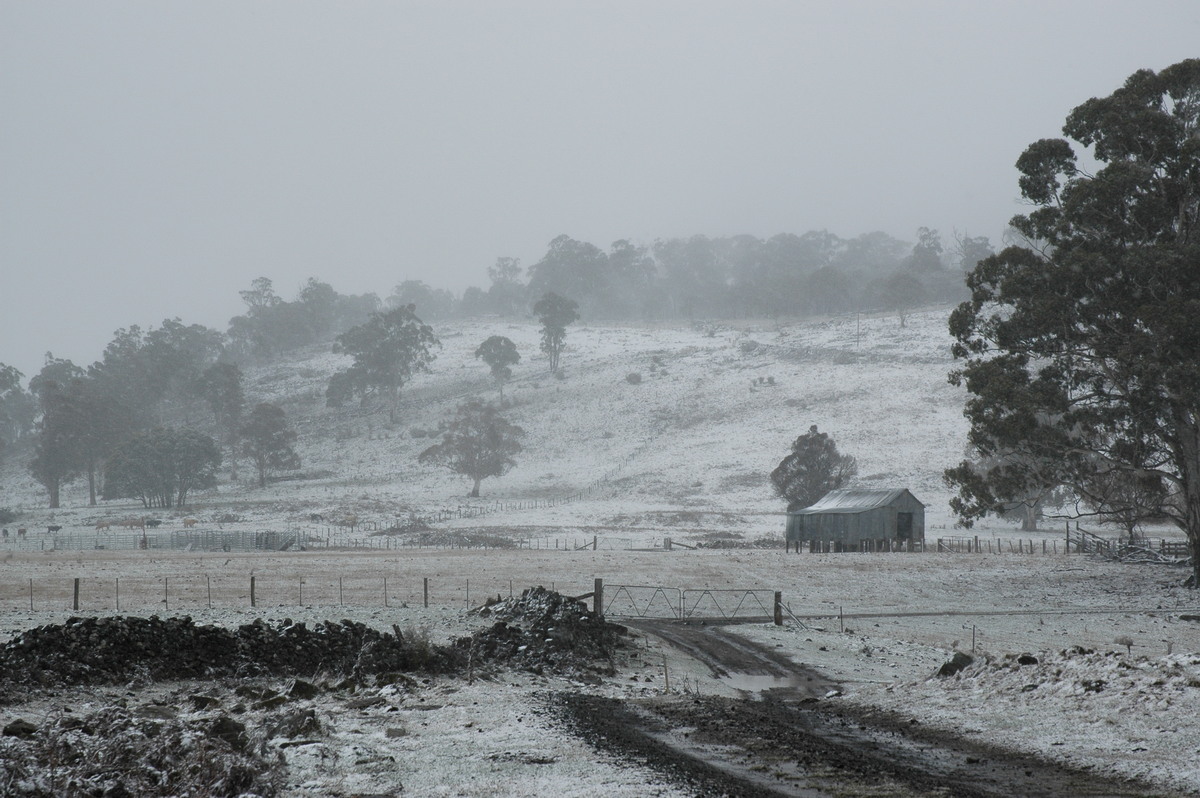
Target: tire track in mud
786,741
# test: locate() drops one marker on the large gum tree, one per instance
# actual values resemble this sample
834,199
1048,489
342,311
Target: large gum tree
1081,348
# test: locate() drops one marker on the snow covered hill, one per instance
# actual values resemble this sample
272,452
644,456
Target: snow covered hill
716,408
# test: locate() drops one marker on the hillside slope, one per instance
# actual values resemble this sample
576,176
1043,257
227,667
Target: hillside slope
717,407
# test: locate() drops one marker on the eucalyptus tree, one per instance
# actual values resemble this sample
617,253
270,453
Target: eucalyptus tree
1080,346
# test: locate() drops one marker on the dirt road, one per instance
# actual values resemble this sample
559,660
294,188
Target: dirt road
785,739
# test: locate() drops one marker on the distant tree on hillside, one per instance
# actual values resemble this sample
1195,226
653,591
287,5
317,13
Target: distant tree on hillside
162,466
221,387
926,253
506,295
56,458
477,443
267,440
388,350
813,468
18,408
901,292
555,313
432,303
500,354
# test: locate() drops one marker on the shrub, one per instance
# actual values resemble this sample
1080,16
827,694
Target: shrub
8,515
633,378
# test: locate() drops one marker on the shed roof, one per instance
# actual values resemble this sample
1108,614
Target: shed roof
853,500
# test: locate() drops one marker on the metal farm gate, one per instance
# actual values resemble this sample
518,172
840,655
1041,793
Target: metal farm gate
658,602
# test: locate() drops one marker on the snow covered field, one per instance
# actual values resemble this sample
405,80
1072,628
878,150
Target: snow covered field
684,454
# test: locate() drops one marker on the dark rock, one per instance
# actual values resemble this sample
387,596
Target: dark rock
1027,659
20,728
957,663
200,702
303,689
232,732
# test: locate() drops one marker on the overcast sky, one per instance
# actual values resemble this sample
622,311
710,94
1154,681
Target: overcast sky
155,158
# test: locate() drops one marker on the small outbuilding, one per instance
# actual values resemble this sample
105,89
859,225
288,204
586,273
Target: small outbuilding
855,519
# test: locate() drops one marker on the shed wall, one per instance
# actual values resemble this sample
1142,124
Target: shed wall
851,528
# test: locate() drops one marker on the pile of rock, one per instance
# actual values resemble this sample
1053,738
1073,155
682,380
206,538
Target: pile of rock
544,631
118,649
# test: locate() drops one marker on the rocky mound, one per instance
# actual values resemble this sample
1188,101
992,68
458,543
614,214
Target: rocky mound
540,631
118,649
544,631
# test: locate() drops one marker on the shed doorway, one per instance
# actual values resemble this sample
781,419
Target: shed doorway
904,526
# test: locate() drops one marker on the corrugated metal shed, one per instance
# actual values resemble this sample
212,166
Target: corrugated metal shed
850,516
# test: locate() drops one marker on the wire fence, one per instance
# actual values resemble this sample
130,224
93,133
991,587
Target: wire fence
183,592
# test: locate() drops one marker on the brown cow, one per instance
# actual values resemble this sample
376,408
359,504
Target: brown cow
21,532
53,528
103,525
134,523
188,523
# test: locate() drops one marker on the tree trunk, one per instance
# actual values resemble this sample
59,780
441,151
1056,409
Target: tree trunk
233,461
1188,458
1029,518
91,485
53,488
474,494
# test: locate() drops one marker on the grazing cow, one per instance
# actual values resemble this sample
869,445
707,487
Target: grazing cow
54,528
188,523
153,523
21,531
6,533
103,525
134,523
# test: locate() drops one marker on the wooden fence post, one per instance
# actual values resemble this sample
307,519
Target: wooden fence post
75,602
426,590
252,591
598,599
779,608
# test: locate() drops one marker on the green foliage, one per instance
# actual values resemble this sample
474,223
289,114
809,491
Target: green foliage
221,387
271,326
477,443
500,354
150,371
18,409
1080,348
555,313
267,440
388,350
162,466
433,303
56,453
813,468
